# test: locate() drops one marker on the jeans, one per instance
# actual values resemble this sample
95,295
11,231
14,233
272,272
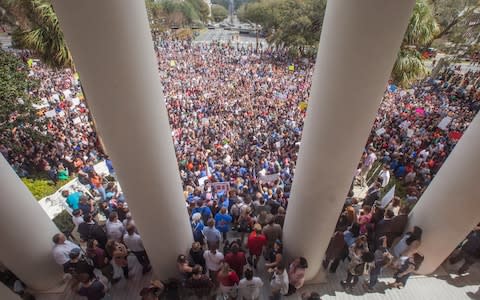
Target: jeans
374,273
101,191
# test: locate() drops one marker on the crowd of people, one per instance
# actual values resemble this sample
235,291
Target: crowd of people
69,139
236,116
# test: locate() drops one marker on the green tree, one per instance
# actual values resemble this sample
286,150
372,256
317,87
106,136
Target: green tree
219,13
40,31
201,8
288,23
454,18
16,104
421,30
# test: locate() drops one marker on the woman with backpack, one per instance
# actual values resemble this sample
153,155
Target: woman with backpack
359,265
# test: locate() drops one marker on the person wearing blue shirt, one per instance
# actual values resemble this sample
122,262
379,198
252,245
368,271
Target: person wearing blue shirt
223,222
108,162
72,199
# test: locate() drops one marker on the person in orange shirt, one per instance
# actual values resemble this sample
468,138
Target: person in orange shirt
96,182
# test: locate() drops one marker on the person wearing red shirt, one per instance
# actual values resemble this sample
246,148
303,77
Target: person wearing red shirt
236,259
228,279
255,243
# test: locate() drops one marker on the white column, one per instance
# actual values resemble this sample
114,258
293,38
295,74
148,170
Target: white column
113,50
26,234
448,209
7,294
358,46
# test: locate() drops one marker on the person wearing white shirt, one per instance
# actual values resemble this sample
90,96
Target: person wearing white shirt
279,282
115,228
249,287
62,248
213,261
384,176
77,217
134,243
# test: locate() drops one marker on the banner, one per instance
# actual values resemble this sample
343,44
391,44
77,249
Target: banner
388,197
220,186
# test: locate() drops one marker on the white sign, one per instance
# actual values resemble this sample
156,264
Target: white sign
388,197
77,120
67,94
269,178
410,132
50,113
380,131
201,181
76,101
444,123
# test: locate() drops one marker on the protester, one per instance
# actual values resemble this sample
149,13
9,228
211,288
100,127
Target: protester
236,259
134,243
279,282
228,280
62,248
213,261
469,251
199,284
406,269
296,274
249,287
256,242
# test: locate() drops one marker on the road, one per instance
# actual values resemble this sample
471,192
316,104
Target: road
222,35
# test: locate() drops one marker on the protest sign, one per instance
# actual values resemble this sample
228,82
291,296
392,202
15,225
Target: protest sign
380,131
388,197
269,178
444,123
50,113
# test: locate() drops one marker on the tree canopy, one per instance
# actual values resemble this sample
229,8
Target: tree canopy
421,30
39,30
16,104
288,23
219,13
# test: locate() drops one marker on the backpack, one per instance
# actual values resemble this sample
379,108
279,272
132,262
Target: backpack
244,225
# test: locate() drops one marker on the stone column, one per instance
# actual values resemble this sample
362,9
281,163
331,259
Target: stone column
113,51
7,294
358,46
26,233
448,209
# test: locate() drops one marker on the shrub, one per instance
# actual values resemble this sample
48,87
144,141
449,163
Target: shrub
42,187
64,222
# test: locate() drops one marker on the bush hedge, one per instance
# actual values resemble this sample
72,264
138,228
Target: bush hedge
42,187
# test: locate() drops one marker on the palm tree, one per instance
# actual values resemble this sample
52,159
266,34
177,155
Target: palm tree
40,32
421,30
